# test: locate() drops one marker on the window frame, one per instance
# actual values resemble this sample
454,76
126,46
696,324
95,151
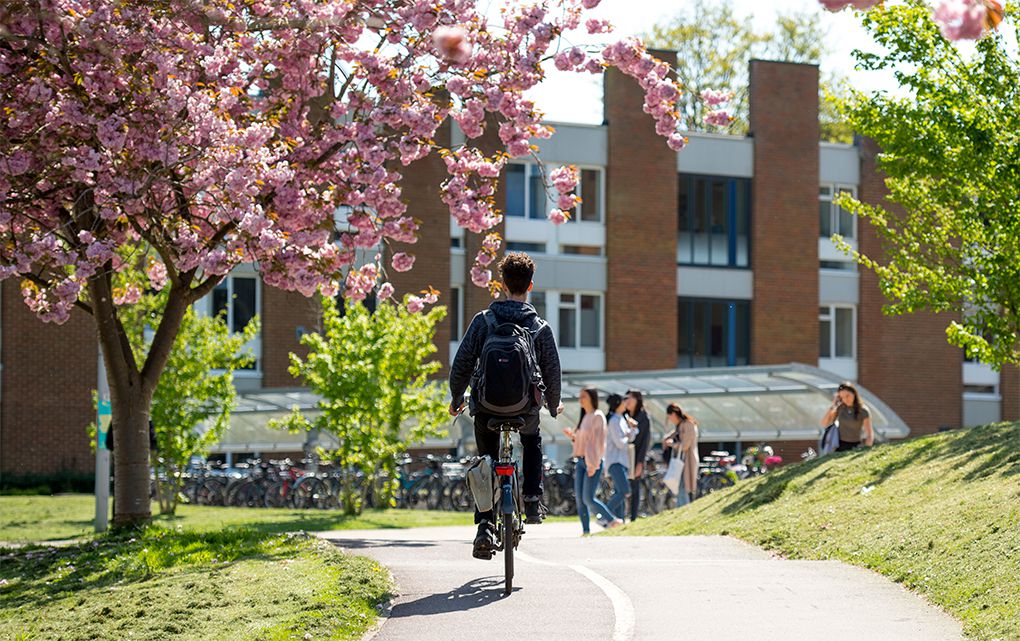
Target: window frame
255,345
830,316
834,189
732,186
530,169
731,338
571,299
457,293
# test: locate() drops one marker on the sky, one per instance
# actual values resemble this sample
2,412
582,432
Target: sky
572,97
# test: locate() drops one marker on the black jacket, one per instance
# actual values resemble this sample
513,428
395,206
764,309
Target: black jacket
523,314
644,436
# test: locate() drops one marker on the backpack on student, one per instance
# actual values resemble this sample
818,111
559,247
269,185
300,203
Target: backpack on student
508,380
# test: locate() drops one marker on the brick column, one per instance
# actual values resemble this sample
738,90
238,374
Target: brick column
1009,388
49,372
284,314
784,212
904,359
641,232
432,251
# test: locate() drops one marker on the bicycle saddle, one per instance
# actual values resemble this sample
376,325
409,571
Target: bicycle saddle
513,424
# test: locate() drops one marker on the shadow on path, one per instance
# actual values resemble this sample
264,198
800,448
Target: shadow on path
476,593
369,544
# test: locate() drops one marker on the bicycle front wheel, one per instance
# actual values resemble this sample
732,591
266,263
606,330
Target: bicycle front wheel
508,552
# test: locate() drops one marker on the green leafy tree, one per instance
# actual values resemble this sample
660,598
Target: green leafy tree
714,49
951,155
372,372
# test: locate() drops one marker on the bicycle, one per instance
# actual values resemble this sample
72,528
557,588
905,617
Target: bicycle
509,508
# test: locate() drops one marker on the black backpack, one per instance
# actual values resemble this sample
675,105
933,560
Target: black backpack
508,380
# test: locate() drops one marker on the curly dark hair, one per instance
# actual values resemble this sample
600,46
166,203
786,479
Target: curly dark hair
517,271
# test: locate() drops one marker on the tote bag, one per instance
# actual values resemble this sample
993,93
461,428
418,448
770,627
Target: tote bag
673,473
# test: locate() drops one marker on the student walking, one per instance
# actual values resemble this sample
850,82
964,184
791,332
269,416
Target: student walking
635,405
852,417
589,447
683,442
619,435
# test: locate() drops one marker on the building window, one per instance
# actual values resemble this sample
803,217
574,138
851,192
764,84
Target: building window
832,218
837,333
714,333
537,300
526,195
456,243
840,265
530,248
580,320
236,300
455,312
580,250
714,221
590,191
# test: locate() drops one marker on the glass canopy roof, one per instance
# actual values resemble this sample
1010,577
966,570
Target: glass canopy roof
746,404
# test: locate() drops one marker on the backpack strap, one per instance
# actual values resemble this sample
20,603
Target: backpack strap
490,320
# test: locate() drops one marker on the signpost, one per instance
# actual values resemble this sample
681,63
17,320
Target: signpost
103,419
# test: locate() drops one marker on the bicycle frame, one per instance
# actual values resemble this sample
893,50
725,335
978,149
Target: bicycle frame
509,519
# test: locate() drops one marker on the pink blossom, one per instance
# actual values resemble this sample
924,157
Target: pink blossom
714,98
962,19
128,295
564,179
492,243
385,291
157,274
402,262
484,258
452,42
718,118
415,304
481,277
839,5
558,216
594,25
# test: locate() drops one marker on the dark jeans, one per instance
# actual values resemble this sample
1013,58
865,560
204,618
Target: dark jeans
846,446
531,446
635,498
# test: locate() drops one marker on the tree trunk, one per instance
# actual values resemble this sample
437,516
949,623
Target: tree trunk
130,458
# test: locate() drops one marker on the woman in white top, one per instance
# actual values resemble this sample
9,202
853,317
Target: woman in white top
620,433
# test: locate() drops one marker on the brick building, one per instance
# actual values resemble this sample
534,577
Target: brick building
718,256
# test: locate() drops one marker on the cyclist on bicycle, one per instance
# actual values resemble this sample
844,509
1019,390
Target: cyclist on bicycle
517,272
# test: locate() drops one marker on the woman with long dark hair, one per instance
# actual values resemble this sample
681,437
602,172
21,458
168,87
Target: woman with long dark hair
683,442
589,439
635,404
852,417
619,435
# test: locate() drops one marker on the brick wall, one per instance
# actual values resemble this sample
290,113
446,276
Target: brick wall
477,299
641,233
49,372
432,251
904,359
1009,389
283,313
784,212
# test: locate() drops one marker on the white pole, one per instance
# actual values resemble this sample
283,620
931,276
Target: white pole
103,418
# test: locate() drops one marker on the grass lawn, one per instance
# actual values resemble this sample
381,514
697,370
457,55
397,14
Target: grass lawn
66,516
206,573
940,514
163,584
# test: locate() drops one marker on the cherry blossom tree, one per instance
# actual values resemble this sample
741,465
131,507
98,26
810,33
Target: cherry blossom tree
189,137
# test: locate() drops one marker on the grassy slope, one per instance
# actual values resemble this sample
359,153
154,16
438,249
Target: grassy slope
940,514
49,518
166,584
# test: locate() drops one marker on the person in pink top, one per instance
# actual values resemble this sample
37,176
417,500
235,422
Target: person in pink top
589,449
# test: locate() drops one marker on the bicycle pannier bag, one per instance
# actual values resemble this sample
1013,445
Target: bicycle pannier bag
508,380
482,482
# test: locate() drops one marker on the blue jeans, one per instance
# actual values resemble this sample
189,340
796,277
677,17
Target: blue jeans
584,492
683,497
621,488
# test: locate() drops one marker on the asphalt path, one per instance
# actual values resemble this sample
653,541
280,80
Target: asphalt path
622,588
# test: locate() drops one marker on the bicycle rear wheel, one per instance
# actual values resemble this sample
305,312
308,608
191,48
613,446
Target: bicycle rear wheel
508,552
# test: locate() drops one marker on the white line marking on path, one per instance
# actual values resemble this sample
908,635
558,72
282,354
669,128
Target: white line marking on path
623,609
